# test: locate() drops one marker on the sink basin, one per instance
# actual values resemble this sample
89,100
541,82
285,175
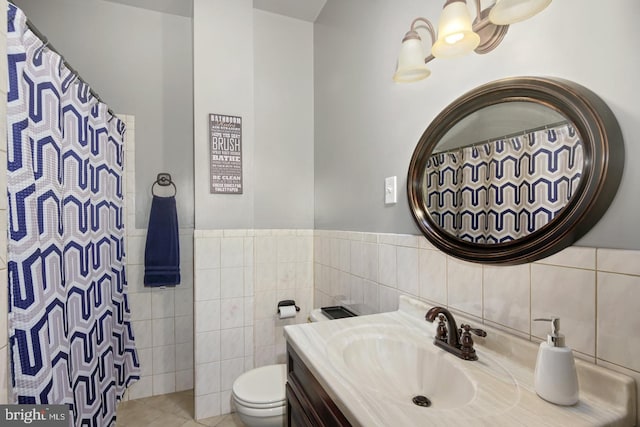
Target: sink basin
397,364
373,366
387,362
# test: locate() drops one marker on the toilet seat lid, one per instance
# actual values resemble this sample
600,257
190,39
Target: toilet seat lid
262,385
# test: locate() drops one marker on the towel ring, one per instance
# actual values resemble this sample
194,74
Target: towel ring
164,180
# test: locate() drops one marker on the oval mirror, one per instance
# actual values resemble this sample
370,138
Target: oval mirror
515,170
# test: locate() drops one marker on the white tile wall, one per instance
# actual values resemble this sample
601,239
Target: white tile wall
618,320
4,380
162,318
432,272
221,266
240,276
570,294
593,291
507,296
464,286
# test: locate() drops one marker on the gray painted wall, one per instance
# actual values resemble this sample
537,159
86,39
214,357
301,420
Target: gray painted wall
223,29
283,97
262,70
366,126
141,63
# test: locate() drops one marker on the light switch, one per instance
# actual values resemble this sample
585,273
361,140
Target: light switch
390,190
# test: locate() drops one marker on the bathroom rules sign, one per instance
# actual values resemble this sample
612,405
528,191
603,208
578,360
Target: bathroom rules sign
225,136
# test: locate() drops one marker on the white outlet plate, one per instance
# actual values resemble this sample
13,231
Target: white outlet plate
390,190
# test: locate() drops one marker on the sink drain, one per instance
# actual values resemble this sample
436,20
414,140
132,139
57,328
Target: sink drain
422,401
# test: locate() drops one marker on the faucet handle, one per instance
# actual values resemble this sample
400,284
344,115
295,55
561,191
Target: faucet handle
477,331
466,343
441,331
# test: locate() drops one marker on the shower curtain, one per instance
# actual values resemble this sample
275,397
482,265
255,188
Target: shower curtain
506,188
69,323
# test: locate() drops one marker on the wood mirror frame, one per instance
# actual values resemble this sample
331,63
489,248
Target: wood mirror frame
603,157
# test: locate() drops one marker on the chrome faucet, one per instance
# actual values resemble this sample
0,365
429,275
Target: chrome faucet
450,338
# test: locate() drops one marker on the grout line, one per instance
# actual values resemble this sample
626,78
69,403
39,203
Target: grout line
530,301
482,314
595,317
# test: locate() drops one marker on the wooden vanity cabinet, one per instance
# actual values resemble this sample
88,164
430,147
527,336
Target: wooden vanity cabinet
308,405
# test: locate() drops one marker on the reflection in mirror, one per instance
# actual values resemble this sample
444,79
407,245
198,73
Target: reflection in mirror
502,172
515,170
498,120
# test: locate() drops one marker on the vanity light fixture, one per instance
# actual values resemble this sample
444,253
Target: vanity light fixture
458,35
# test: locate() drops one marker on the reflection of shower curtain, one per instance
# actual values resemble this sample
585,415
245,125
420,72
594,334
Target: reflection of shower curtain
506,188
70,336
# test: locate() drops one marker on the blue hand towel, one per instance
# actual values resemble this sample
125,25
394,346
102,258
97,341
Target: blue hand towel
162,251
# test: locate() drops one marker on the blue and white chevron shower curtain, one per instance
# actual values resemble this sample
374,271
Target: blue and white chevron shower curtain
506,188
69,323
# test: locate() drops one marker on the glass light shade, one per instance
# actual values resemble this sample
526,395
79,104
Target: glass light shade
455,34
506,12
411,66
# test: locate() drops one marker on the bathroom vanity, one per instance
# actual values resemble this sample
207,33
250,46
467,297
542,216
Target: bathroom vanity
365,371
308,404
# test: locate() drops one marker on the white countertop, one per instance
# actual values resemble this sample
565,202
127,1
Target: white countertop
606,397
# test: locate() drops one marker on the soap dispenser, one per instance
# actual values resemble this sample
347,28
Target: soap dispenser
555,378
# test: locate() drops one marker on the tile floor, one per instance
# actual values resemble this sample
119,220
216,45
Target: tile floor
168,410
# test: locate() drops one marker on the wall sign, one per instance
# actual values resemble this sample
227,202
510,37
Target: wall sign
225,137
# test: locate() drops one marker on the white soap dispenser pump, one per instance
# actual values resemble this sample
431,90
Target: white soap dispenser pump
555,378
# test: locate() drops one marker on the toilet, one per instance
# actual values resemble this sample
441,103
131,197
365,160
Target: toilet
259,396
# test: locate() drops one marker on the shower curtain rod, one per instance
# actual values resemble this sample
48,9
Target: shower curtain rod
511,135
50,46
